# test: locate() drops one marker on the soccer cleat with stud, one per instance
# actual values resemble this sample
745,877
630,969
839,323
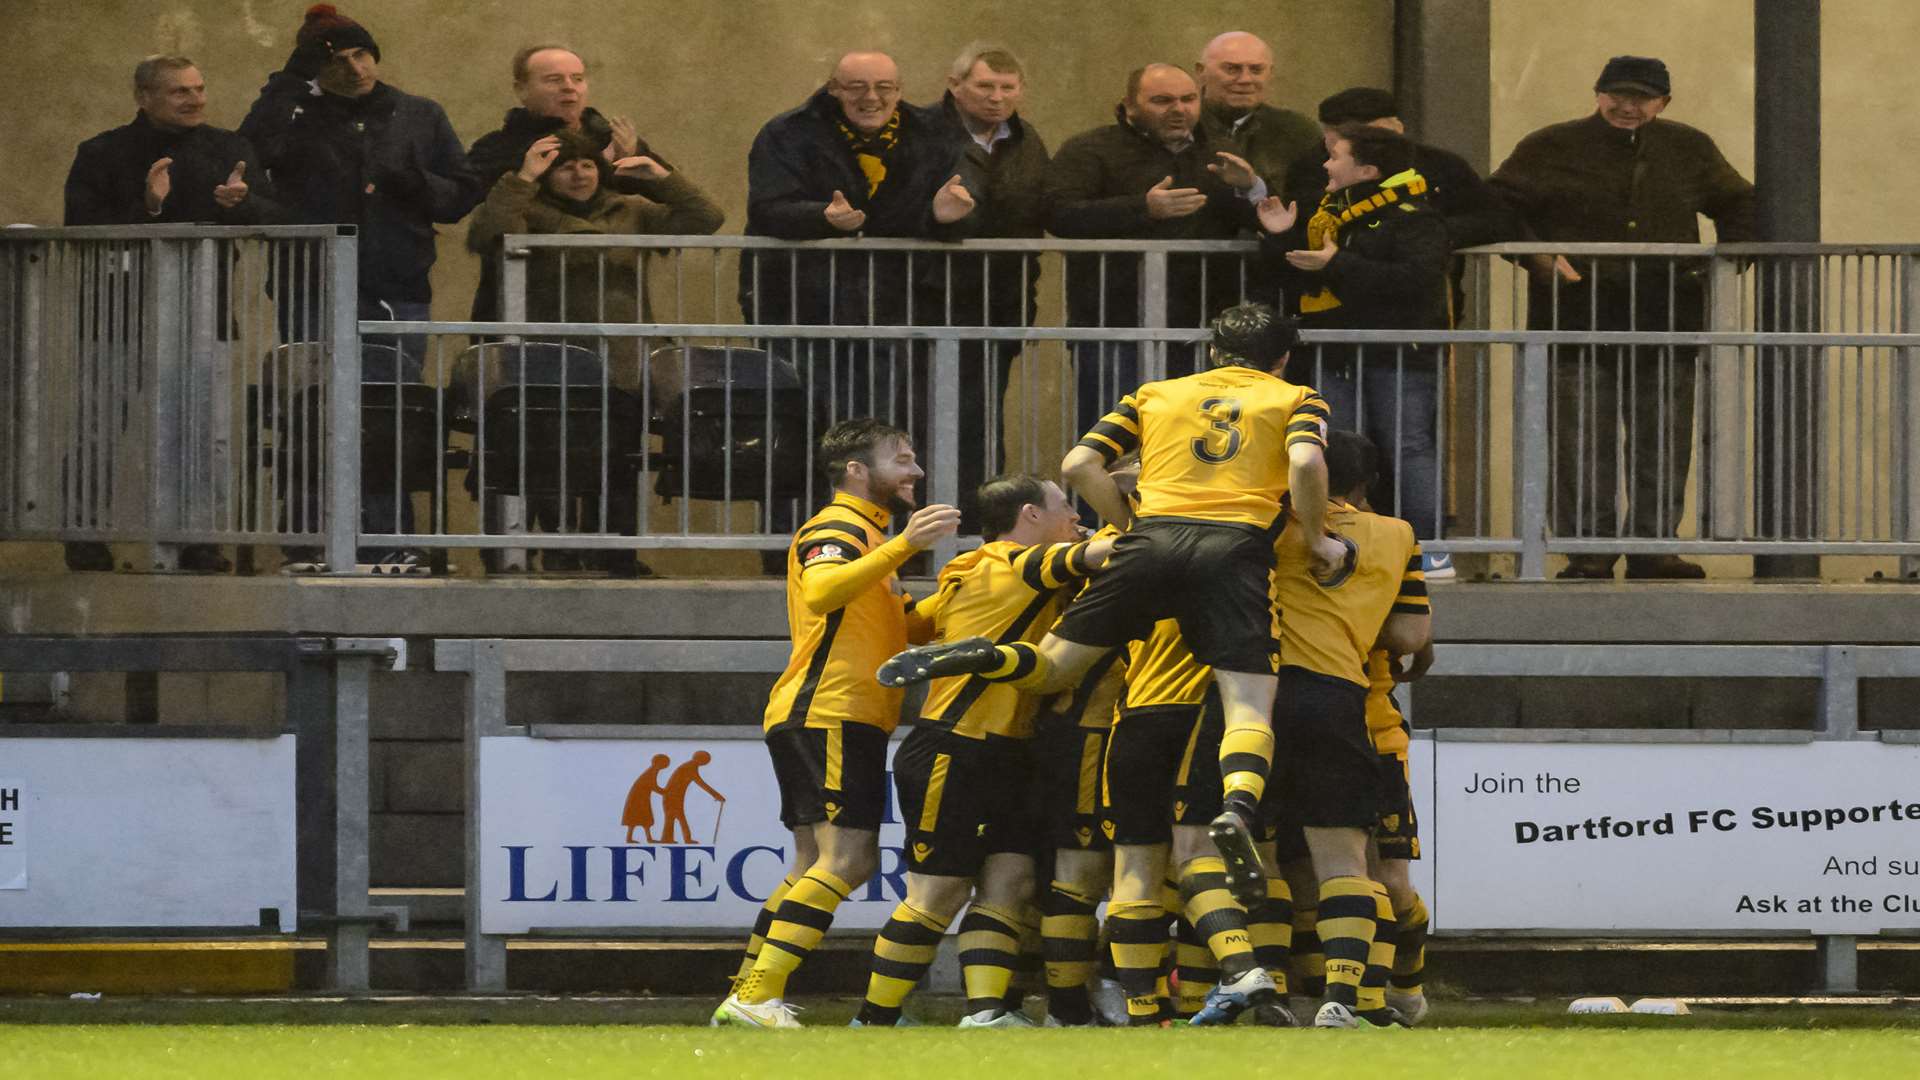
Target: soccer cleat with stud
1226,1001
767,1014
1335,1015
995,1018
1232,835
1411,1007
967,656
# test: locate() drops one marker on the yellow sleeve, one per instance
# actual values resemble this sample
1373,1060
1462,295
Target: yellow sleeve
1309,421
829,585
1050,566
1412,599
1117,433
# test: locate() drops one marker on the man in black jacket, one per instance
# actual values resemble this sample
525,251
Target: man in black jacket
551,82
853,161
167,167
344,147
1005,158
1153,174
1623,175
1373,257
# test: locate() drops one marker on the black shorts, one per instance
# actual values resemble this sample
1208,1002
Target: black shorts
1162,770
1325,771
837,775
1399,832
1068,759
1211,576
963,799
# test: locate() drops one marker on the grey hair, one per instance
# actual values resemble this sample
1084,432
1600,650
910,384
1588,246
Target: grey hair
998,58
146,74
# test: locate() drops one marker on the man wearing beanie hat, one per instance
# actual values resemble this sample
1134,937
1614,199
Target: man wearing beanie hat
343,147
1623,175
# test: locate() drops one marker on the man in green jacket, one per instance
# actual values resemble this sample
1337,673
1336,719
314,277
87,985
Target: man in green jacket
1623,175
1233,71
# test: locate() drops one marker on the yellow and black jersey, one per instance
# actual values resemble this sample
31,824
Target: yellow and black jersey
1161,670
1213,445
1384,724
1091,705
829,676
1331,628
1005,593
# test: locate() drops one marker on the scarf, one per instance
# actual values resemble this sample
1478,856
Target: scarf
872,151
1331,217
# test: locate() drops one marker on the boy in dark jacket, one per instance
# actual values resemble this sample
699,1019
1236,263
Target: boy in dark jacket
1373,257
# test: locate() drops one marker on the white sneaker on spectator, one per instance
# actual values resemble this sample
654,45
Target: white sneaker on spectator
1437,565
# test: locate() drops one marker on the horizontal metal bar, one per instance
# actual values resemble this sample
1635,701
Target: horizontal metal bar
725,655
1713,736
156,653
582,541
175,232
137,731
876,243
1696,661
1649,546
1886,661
705,732
1130,333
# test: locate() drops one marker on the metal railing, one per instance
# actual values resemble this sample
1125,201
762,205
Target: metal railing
667,392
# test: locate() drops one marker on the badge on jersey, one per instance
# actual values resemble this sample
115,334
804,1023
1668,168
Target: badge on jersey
827,552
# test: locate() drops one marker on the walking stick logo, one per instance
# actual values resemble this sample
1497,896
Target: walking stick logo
672,819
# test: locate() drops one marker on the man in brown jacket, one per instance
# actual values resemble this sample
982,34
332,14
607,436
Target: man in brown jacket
1623,175
1233,71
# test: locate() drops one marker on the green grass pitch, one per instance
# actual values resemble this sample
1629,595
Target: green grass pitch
312,1052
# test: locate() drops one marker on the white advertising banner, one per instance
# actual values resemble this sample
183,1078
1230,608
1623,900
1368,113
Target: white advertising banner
640,833
146,832
13,834
1821,837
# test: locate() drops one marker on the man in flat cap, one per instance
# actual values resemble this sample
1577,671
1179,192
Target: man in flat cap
1623,175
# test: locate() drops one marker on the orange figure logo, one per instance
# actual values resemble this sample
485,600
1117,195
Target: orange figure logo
638,813
673,802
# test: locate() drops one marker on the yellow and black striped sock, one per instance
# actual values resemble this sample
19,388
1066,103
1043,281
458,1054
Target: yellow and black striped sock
760,924
1373,984
1218,922
1137,930
1069,940
1271,927
1194,964
901,955
1028,970
1309,961
1020,664
1410,951
804,917
989,949
1246,756
1346,935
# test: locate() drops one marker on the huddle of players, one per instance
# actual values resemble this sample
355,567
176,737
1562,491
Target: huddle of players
1121,742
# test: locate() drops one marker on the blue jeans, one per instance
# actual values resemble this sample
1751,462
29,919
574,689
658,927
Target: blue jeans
1393,404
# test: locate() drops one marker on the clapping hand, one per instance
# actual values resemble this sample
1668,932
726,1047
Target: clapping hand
159,184
1314,260
1276,215
625,141
841,214
539,158
234,191
1234,170
1164,201
952,202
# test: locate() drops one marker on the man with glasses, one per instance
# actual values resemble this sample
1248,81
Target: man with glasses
1622,175
852,161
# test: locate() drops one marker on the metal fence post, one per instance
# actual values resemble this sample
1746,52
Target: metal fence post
1723,481
167,323
343,403
944,483
1839,963
513,308
1839,693
1153,315
348,967
1531,450
1905,414
486,955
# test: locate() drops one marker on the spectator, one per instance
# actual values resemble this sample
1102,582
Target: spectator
1007,159
1233,71
168,166
1473,213
1374,257
343,147
551,82
853,160
1623,175
1153,174
563,186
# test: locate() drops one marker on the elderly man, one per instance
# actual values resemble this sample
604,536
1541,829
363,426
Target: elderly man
551,82
1234,70
1623,175
167,167
852,161
1007,160
343,147
1153,174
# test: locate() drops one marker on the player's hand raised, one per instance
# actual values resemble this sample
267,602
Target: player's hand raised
931,524
1327,557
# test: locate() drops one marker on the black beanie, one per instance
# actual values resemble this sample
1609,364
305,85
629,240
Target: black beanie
326,24
1358,105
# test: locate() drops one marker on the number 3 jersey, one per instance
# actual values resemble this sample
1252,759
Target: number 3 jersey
1213,445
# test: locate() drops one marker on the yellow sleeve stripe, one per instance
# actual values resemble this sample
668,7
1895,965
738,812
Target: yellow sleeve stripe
1123,434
